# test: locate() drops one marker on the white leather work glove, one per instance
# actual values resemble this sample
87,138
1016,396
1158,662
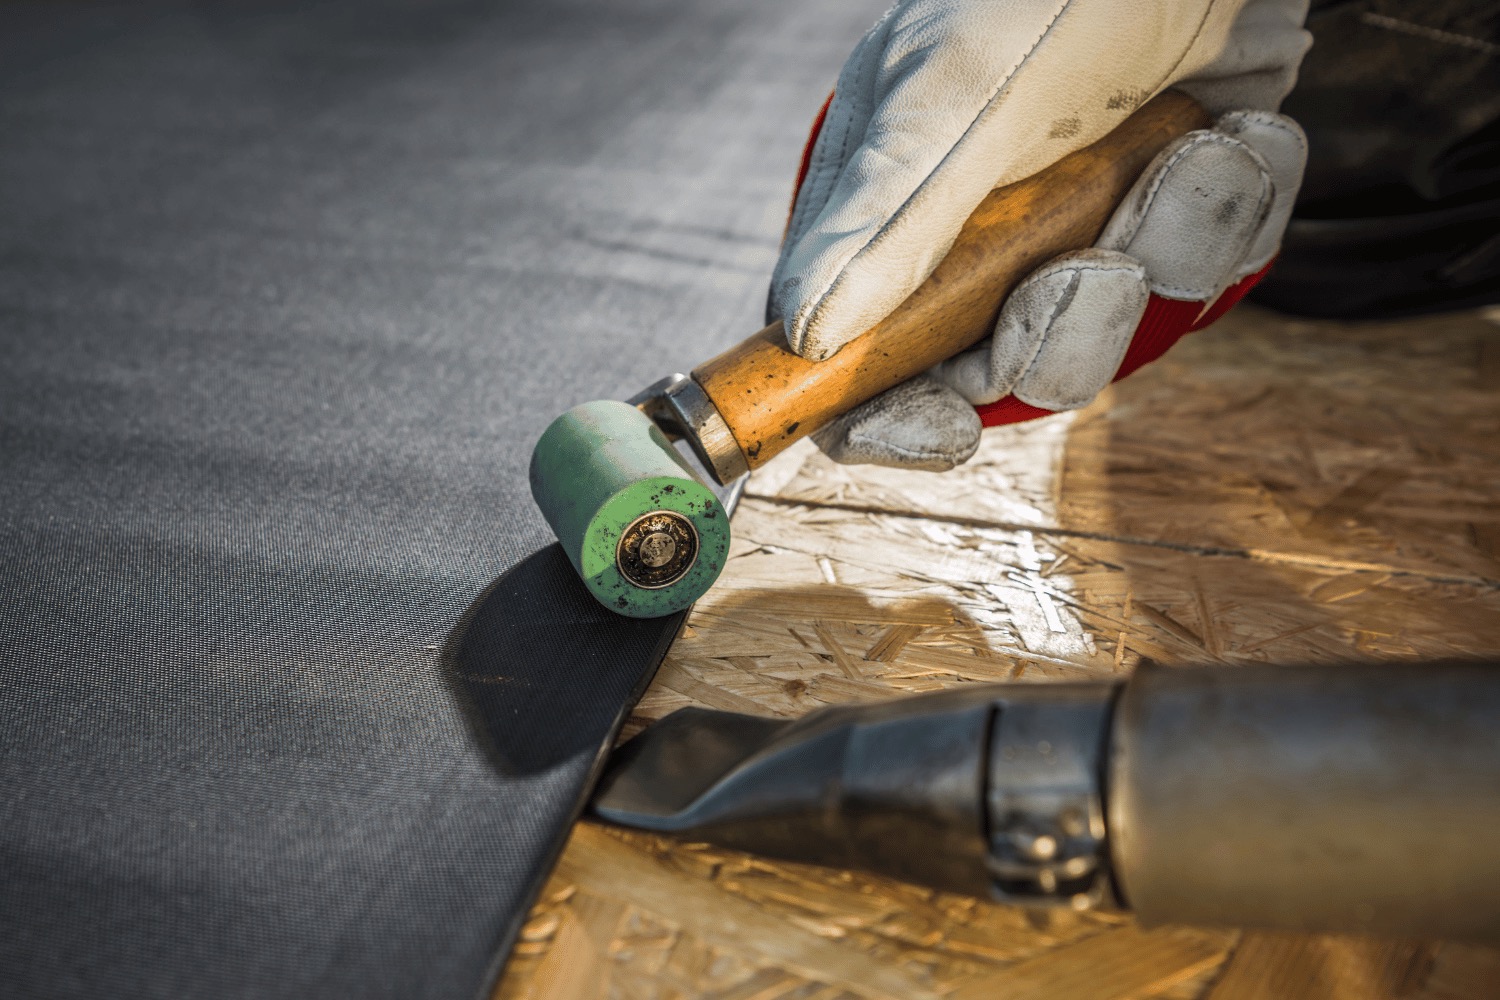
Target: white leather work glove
944,100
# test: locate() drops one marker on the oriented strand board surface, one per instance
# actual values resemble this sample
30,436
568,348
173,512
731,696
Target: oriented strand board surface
1274,490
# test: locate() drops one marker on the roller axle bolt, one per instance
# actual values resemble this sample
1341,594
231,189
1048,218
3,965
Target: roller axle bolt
657,549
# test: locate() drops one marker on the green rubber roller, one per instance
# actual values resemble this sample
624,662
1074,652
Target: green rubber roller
647,537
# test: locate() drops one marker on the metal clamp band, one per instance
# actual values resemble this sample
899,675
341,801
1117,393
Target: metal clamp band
680,407
1046,801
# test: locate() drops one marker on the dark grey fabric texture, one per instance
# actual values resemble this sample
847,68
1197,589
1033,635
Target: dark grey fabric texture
297,697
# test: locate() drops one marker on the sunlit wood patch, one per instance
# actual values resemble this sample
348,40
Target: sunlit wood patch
1271,491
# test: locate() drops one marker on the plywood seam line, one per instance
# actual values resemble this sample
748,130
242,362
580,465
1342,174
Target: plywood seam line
1213,551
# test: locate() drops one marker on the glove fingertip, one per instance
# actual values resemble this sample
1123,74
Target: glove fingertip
1282,144
1062,324
920,424
1088,333
1195,214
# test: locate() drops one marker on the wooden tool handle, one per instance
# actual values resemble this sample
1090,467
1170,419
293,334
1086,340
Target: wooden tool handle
770,397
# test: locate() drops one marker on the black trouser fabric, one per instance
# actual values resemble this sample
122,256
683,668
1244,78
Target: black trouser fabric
1400,210
296,696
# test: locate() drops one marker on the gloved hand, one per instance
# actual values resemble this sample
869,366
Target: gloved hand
944,100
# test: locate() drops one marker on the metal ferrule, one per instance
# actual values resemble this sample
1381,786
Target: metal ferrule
679,406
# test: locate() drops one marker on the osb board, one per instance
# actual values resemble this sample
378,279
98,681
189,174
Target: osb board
1273,490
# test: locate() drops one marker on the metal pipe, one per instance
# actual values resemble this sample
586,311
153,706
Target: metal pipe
1356,798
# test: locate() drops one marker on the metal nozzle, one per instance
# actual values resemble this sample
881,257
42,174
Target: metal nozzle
990,791
1330,797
